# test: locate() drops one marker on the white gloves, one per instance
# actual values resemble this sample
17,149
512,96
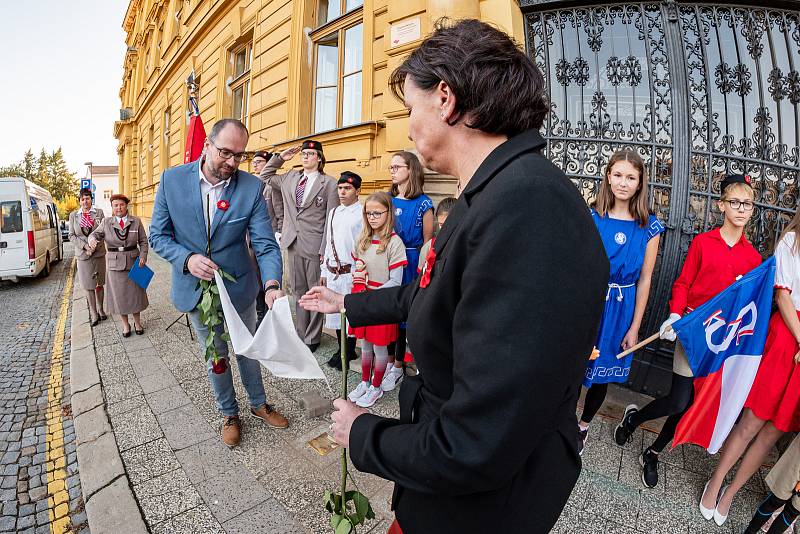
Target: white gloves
668,333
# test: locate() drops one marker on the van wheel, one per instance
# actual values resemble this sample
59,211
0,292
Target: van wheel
46,270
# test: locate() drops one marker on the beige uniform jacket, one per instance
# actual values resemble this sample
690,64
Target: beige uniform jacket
115,237
303,227
81,240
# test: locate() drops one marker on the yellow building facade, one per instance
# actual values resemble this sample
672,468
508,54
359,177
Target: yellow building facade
290,69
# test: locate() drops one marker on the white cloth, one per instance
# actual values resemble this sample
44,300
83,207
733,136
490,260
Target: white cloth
347,224
787,268
210,194
118,219
275,344
311,179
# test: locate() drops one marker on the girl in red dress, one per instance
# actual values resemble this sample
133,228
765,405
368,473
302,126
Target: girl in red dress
773,405
379,257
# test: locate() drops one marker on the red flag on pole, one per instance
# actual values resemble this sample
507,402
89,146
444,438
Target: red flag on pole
196,135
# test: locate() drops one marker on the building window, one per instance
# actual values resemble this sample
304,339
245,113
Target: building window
328,10
239,84
107,194
338,78
164,152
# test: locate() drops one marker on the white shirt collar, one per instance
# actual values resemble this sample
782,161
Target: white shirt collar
311,175
91,210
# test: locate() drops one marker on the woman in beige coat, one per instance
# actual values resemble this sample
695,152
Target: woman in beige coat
91,259
126,242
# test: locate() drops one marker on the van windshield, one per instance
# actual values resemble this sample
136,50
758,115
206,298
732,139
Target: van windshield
10,217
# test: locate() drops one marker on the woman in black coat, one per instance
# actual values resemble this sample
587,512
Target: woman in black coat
502,319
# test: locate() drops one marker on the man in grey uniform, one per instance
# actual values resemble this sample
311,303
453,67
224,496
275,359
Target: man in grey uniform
308,195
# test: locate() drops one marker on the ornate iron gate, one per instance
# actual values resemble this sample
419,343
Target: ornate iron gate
699,91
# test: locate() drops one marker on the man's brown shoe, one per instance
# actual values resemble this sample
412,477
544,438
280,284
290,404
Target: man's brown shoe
270,415
231,431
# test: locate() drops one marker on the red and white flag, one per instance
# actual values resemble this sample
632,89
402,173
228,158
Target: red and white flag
196,136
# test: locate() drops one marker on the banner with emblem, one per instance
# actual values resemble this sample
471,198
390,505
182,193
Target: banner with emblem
724,341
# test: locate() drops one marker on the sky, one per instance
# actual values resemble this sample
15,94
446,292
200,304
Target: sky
60,74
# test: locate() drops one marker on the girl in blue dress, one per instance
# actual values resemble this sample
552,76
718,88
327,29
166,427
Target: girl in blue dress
630,235
414,224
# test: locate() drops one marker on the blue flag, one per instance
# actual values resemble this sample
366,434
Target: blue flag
724,341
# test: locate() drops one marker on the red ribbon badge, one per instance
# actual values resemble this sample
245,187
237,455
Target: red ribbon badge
223,205
430,260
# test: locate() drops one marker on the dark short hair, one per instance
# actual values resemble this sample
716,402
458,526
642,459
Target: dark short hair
85,192
222,123
445,205
498,89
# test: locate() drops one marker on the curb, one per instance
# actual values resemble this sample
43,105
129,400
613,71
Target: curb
110,503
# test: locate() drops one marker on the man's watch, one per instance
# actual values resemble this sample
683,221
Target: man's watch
270,287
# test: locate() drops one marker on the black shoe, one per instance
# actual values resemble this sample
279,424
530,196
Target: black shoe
649,462
624,431
312,346
336,361
582,436
103,317
139,332
95,322
126,334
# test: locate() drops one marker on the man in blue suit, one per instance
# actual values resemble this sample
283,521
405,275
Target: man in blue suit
212,188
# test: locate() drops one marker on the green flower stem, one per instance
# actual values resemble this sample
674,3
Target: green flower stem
343,349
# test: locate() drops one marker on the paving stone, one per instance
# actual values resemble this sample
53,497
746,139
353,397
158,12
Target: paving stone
113,509
269,517
91,425
206,460
184,427
135,427
167,399
198,520
7,523
149,460
26,522
314,404
229,493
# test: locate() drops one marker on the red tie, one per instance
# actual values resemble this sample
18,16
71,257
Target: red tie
122,224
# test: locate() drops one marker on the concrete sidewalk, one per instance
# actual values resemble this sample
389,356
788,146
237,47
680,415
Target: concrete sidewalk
166,425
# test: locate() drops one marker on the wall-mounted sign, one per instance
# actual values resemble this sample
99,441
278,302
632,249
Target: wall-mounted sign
405,31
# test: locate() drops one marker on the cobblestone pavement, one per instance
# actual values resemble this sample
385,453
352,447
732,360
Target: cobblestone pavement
166,424
39,488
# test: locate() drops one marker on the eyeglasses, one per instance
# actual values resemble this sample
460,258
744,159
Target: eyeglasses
395,168
375,214
308,153
736,204
224,153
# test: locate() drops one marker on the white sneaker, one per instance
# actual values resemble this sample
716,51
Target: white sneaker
358,392
370,397
392,378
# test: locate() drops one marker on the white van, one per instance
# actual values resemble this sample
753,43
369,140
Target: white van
30,239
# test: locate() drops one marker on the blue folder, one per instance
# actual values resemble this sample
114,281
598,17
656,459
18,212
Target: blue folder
140,275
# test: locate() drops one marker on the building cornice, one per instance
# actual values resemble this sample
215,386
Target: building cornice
130,16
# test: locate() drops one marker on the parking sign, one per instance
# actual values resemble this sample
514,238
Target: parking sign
86,184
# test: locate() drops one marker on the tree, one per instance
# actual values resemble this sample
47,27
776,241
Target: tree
48,171
11,170
63,183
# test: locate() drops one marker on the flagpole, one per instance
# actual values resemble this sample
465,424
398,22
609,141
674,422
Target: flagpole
642,344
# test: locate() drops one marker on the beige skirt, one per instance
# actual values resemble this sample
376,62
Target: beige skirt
92,272
123,296
680,364
783,478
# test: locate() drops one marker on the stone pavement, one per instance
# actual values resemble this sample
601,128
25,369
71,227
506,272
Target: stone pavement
40,488
166,424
